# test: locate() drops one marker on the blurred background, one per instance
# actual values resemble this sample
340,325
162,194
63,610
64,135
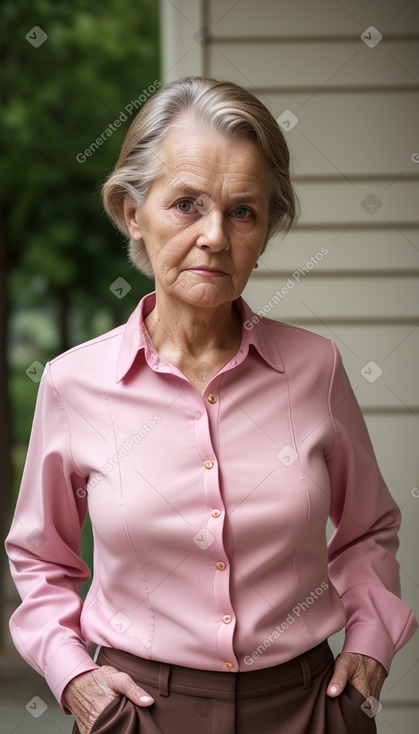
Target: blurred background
342,79
70,72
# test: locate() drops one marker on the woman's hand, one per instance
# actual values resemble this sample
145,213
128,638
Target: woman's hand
88,694
366,674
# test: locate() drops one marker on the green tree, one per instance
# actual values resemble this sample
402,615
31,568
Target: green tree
70,74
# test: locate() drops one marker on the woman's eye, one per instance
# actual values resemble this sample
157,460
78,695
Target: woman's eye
185,206
241,212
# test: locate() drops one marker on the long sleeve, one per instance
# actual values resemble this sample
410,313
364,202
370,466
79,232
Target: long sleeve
362,564
44,550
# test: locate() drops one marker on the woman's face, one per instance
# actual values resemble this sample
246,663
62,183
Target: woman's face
205,219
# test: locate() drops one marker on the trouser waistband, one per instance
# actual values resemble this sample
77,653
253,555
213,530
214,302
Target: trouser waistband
212,684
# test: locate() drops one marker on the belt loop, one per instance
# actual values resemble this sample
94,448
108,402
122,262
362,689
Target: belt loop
305,670
164,675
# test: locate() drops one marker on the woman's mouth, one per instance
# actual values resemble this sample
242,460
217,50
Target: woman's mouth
207,271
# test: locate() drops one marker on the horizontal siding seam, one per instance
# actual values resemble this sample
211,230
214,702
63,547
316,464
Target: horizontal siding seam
214,40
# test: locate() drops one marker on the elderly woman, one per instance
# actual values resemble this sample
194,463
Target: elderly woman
209,457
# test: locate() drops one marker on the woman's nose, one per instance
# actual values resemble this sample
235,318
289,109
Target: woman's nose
212,231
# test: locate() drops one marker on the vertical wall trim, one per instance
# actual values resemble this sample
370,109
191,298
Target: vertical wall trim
182,53
205,50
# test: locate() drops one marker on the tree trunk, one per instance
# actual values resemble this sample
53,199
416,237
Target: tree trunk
6,431
63,320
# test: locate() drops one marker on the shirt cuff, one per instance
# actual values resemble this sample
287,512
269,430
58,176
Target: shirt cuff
69,662
366,639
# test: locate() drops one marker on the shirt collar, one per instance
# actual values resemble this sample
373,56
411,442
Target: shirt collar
255,332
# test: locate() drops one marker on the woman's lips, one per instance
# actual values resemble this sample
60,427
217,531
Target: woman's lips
206,271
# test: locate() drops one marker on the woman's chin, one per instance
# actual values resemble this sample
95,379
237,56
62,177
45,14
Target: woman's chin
209,294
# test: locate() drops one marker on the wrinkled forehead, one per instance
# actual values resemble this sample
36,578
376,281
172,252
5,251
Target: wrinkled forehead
197,157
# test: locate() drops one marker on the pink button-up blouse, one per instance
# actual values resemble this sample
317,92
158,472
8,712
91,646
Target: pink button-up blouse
208,511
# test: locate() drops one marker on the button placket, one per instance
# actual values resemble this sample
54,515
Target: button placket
206,429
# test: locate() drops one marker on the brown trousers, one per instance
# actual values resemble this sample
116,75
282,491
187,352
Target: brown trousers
286,699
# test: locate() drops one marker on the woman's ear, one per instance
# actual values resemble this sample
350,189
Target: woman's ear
131,219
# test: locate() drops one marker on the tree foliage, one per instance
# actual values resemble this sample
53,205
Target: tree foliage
58,252
57,98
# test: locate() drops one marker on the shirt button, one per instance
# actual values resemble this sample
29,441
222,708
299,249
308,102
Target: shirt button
220,565
227,618
208,464
216,513
228,665
212,399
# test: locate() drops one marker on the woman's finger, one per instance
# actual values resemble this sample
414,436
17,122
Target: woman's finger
123,683
342,671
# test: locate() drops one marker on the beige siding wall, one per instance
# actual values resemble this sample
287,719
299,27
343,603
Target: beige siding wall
356,173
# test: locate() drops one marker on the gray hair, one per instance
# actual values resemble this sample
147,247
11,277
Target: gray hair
222,107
